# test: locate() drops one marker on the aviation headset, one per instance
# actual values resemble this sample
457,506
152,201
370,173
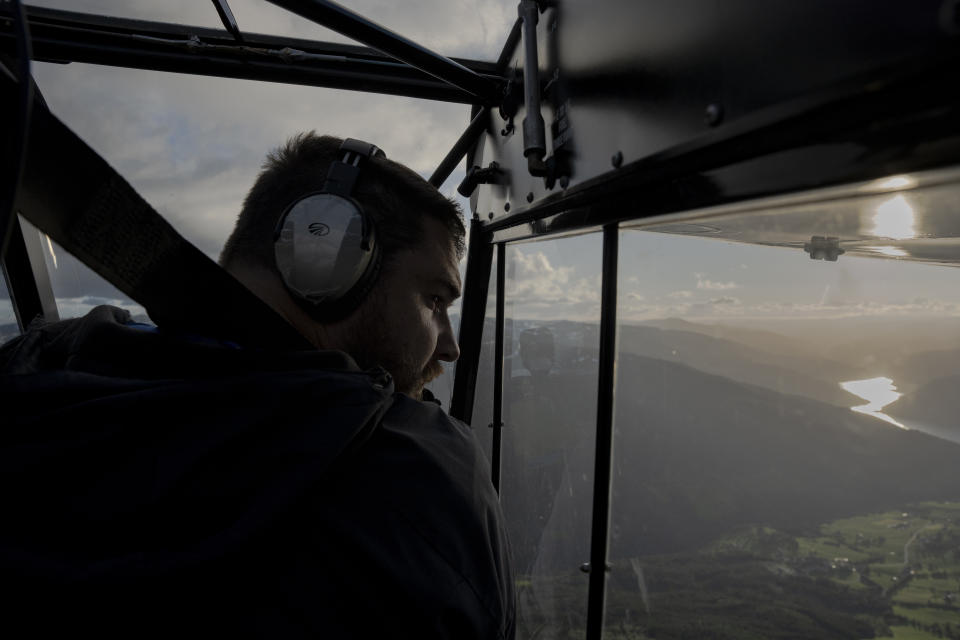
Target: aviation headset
325,244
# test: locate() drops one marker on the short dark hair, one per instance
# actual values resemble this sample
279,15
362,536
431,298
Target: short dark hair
396,198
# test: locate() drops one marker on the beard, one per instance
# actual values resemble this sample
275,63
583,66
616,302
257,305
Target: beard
408,377
371,344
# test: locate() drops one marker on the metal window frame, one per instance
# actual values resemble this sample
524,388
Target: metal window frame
65,36
497,425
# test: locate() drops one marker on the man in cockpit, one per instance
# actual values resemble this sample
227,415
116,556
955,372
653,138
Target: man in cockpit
180,485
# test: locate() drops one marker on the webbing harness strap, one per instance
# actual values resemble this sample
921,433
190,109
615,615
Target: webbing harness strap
70,193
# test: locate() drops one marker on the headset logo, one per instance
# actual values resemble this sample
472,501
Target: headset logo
318,229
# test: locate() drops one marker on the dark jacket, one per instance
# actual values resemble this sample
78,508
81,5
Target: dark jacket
156,485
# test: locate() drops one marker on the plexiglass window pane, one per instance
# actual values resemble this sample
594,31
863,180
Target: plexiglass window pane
550,390
8,320
786,439
76,287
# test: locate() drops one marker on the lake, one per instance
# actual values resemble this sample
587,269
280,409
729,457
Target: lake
878,392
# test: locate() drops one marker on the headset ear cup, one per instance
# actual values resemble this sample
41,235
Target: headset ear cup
325,245
354,298
326,253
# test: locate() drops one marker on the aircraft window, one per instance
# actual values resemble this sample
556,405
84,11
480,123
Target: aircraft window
551,337
785,439
8,320
76,287
194,161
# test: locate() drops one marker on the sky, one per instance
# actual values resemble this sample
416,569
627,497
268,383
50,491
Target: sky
708,280
193,145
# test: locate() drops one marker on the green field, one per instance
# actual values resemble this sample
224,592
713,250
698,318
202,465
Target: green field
845,580
898,632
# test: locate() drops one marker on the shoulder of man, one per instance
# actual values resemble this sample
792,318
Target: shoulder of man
423,552
163,443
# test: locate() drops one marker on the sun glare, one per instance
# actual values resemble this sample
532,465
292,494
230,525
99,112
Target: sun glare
894,219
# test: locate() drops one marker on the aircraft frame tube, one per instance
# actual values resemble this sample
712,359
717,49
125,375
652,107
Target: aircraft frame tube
460,148
345,22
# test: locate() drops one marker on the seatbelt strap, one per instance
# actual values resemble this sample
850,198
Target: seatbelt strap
70,193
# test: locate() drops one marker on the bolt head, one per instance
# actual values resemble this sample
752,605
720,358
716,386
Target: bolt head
713,115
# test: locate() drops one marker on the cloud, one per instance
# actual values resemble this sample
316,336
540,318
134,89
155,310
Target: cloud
680,294
916,307
95,301
724,300
76,307
703,283
538,289
175,140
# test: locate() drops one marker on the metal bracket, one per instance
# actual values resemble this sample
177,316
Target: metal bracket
824,248
493,174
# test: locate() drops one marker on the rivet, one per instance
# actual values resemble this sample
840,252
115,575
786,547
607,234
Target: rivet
617,159
490,215
564,182
713,115
506,206
530,197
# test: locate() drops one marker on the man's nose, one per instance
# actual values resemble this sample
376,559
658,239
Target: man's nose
447,348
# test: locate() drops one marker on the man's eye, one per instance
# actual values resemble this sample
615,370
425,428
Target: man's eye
436,303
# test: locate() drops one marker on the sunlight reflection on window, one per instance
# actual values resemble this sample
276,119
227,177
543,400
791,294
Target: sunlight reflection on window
896,182
53,254
888,251
894,219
